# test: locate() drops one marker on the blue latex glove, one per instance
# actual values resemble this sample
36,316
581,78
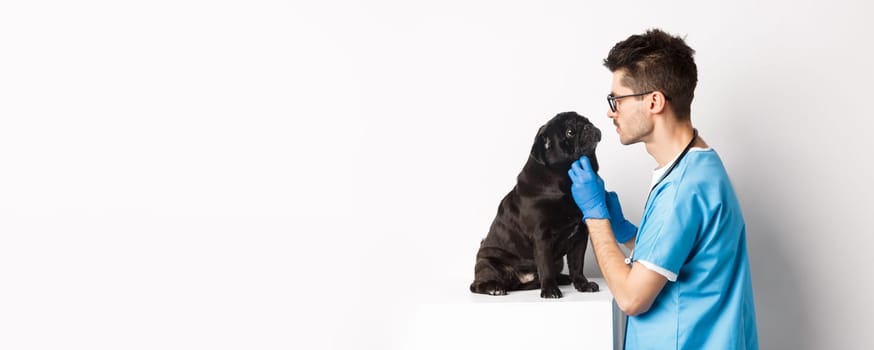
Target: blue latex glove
622,228
587,188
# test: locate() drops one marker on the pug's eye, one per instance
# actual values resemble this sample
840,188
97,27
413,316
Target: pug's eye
570,132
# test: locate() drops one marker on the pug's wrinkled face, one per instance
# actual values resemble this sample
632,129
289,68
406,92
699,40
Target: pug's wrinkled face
564,139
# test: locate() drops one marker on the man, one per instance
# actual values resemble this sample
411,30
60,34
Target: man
687,283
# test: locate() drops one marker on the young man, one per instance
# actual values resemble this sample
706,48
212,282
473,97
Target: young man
687,283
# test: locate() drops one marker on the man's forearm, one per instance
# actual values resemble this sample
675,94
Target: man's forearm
634,288
610,258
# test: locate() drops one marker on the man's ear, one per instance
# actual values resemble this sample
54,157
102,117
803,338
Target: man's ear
657,102
542,145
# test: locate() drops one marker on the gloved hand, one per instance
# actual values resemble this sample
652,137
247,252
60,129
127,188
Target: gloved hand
587,188
622,228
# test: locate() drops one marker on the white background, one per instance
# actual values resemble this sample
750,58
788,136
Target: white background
268,174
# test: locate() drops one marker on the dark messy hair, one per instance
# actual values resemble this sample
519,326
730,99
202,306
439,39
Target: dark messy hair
658,61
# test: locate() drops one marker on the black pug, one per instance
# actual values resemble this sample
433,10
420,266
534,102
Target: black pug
538,222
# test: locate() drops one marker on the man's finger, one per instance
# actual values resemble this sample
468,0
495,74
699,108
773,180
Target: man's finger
584,162
577,168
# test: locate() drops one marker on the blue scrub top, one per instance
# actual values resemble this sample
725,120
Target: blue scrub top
693,232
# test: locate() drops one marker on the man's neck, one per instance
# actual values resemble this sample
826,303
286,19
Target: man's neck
668,141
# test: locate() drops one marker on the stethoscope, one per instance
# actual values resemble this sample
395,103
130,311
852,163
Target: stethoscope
679,158
668,172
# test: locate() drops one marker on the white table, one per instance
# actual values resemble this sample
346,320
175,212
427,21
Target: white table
459,319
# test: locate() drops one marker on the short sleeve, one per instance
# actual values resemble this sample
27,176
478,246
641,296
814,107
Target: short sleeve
669,230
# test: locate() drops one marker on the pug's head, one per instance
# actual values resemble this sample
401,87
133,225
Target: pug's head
564,139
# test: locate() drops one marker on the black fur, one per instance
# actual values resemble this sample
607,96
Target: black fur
538,222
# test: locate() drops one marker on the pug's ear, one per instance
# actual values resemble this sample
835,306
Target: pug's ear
542,144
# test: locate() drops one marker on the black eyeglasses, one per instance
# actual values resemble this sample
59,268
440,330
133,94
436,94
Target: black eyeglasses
611,100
